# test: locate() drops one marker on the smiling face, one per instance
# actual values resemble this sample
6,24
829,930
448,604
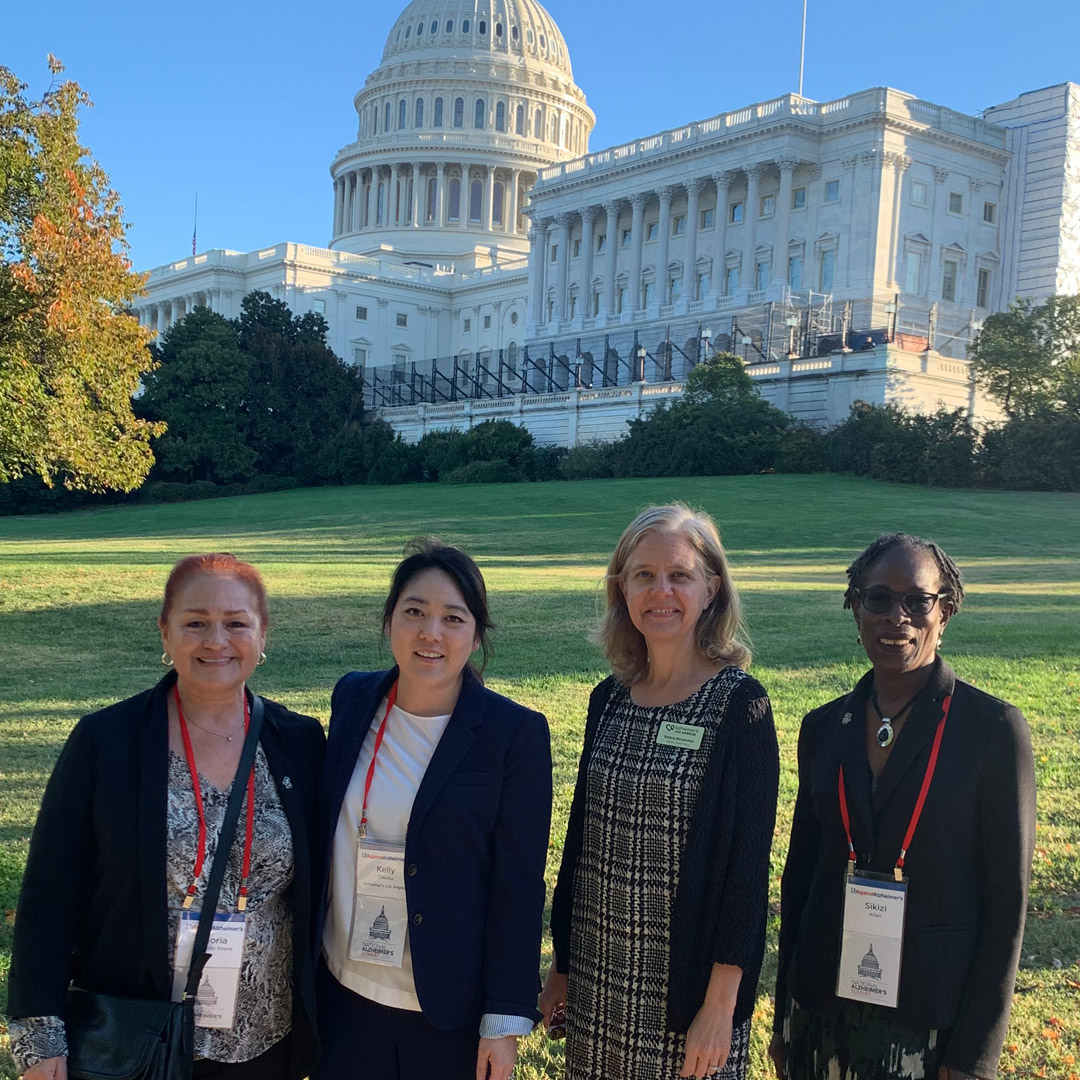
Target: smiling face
897,642
665,588
432,633
213,634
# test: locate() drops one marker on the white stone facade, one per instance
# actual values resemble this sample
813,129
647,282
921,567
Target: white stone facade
482,262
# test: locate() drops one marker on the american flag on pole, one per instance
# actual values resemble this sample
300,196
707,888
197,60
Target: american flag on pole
195,229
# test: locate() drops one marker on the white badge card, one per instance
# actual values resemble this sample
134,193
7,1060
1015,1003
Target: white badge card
215,1005
684,736
872,939
380,911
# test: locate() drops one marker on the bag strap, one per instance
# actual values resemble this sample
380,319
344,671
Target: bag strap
199,955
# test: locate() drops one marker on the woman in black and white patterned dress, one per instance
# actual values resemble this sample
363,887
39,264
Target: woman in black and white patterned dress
659,912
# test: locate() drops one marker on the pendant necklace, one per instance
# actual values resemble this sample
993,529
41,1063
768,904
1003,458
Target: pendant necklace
885,733
216,734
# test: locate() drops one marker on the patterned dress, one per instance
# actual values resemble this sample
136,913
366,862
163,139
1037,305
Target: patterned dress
641,797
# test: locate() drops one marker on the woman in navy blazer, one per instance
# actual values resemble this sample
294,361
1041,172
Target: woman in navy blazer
461,788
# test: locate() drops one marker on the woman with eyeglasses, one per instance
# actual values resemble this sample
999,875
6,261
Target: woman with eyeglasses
905,887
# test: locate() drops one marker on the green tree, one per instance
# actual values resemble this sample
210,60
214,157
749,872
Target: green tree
1028,358
70,357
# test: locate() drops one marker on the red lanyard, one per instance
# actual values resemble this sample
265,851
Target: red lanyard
374,754
919,802
249,832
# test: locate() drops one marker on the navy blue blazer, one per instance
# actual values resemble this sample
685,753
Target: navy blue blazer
475,847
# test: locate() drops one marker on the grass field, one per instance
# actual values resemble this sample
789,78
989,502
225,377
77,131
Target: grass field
79,595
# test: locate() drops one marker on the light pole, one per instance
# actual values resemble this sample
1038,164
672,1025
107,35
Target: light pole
706,340
792,322
747,341
639,363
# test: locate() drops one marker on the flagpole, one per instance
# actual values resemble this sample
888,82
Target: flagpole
802,48
195,228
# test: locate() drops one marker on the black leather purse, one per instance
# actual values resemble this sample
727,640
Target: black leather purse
122,1038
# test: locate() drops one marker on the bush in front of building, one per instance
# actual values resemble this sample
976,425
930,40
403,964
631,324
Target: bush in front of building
1040,453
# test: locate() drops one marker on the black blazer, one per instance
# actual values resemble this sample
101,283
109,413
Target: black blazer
93,909
721,905
968,865
475,848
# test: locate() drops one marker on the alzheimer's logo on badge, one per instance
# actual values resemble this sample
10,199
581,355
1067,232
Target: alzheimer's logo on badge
380,928
870,968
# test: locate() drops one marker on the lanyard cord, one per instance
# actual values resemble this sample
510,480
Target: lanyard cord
919,802
391,698
249,831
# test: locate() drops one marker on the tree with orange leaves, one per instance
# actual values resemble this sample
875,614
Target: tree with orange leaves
70,353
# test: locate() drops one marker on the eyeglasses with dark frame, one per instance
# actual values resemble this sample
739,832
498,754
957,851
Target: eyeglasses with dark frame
880,601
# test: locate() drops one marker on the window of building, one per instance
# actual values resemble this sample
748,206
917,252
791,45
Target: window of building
678,225
449,26
990,213
512,354
431,196
764,270
648,293
735,213
622,298
479,114
401,114
519,117
948,280
500,116
982,289
401,319
626,234
454,212
956,202
319,307
708,218
554,253
386,119
601,242
832,191
408,32
538,125
498,199
731,280
912,271
476,200
359,356
573,306
798,198
652,230
459,112
400,359
576,253
420,30
827,270
794,272
482,26
361,313
437,120
418,119
550,309
380,203
434,29
513,318
919,193
596,302
768,205
464,26
704,284
467,327
674,289
487,322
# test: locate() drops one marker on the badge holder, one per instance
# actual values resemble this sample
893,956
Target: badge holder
380,917
872,937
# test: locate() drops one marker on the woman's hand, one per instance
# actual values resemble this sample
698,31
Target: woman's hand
776,1053
553,995
708,1042
496,1057
54,1068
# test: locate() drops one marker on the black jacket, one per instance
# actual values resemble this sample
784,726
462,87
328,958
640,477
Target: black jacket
93,909
721,904
968,865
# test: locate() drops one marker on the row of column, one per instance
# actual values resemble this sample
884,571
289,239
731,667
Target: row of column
557,231
356,195
161,315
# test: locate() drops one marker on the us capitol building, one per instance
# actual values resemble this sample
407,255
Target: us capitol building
485,264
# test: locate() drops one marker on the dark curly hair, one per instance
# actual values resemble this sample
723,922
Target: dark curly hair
952,581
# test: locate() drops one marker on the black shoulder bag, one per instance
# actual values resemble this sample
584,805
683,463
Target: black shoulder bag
122,1038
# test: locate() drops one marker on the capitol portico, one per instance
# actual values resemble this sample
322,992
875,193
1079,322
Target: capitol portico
484,263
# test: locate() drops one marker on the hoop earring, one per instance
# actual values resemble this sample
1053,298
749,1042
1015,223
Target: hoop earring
261,660
166,659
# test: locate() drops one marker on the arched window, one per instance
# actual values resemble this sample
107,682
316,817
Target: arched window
380,205
498,198
498,30
386,117
374,119
479,114
563,131
482,26
500,116
449,26
455,200
459,112
431,193
538,125
476,200
553,130
418,120
519,120
464,26
420,29
437,122
512,357
401,114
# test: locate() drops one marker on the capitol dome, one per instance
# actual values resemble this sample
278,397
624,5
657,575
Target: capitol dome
471,100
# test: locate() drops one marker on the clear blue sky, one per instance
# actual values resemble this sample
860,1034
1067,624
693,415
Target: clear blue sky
247,103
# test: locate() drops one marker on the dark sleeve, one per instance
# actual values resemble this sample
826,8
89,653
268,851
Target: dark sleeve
56,885
756,776
515,908
562,901
1006,814
798,873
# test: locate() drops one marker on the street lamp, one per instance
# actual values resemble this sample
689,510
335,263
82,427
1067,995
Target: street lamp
793,322
747,341
706,341
890,310
639,363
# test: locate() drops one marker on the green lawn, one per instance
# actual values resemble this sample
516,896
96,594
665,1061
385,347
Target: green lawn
79,595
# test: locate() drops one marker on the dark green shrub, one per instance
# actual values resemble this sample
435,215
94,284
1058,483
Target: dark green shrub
484,472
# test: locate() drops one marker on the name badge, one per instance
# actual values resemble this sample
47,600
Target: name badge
872,939
684,736
380,916
215,1004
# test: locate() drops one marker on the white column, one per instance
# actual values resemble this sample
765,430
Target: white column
465,202
339,205
371,193
488,213
514,209
611,208
160,319
663,242
783,219
416,196
968,296
562,263
588,215
637,205
722,180
440,193
689,281
392,201
750,216
538,235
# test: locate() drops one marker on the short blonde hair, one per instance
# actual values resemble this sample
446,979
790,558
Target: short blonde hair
720,634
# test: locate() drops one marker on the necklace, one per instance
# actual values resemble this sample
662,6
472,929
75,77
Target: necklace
216,734
885,733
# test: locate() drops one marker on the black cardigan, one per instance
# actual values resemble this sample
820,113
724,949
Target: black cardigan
721,905
968,865
93,909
